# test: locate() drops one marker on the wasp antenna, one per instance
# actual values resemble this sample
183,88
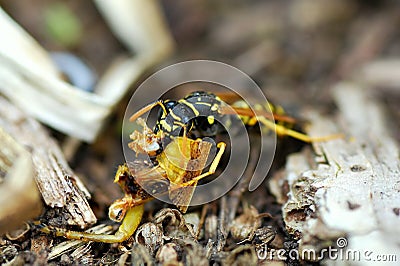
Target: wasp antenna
255,113
146,109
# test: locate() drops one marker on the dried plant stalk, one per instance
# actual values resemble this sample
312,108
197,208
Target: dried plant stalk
30,80
57,183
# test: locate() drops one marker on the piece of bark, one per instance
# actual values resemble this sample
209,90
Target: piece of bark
57,183
354,191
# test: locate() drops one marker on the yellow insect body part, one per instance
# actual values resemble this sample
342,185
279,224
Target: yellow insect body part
128,226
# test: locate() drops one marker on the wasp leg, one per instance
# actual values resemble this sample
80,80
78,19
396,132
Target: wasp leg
185,145
221,146
126,229
283,131
146,109
233,110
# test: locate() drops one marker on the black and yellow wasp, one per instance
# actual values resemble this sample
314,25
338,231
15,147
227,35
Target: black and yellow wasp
176,167
202,114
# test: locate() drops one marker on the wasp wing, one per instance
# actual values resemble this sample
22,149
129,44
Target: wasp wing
181,193
146,181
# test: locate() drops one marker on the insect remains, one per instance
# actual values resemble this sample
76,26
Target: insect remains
175,172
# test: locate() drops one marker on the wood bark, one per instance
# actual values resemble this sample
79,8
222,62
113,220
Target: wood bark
57,183
348,187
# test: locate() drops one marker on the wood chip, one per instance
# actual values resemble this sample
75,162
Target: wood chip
57,183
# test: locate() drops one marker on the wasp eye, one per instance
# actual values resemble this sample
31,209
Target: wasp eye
169,105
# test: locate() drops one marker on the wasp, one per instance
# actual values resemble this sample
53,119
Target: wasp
176,157
205,113
185,115
175,171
